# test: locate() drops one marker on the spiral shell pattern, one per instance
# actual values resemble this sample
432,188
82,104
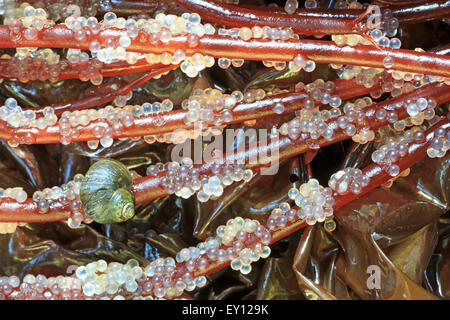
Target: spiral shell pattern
106,192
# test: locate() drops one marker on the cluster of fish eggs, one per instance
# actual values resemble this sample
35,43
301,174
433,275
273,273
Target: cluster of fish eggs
34,64
281,216
348,180
395,147
210,106
314,201
310,120
440,144
164,280
16,117
16,193
113,120
247,242
98,277
183,179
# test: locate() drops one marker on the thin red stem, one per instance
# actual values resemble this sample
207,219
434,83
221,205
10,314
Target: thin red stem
117,68
173,120
234,16
255,49
103,98
406,12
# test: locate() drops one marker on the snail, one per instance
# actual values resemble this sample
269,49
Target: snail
106,192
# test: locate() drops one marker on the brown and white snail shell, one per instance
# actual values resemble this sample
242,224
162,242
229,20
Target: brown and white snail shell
106,192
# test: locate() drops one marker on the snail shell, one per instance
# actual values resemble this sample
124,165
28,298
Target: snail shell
106,192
